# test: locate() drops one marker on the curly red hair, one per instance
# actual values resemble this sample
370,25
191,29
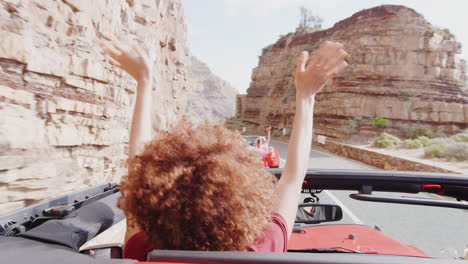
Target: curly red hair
199,188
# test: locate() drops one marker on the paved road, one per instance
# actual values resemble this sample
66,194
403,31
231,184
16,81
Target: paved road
431,229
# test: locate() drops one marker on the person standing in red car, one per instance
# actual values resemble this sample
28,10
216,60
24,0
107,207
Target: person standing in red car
198,188
271,155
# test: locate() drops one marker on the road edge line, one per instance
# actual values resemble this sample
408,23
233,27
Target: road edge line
345,209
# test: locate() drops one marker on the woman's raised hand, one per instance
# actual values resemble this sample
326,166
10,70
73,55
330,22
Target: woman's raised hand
130,58
133,60
325,63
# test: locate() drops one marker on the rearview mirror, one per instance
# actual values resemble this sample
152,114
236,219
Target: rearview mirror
313,213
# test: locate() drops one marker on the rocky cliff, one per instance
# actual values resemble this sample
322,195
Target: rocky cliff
64,109
401,68
212,98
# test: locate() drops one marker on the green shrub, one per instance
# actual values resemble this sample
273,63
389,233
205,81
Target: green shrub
407,131
424,140
276,133
425,132
456,152
445,32
353,126
379,122
441,141
448,33
462,137
447,148
416,143
434,151
413,143
386,140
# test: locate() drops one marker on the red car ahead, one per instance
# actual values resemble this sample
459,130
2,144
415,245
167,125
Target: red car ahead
269,154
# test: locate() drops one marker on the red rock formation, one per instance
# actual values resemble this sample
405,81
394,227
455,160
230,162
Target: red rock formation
401,68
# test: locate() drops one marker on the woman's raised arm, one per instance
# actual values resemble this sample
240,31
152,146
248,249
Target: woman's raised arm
135,62
325,63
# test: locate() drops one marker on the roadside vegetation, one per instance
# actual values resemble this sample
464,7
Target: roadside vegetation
435,143
379,122
276,133
445,32
353,126
386,140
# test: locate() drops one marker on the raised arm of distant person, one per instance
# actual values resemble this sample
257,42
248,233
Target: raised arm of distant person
135,62
311,76
268,135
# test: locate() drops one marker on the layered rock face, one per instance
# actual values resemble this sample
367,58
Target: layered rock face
401,68
212,98
64,109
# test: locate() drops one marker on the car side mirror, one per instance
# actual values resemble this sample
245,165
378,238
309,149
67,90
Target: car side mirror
315,213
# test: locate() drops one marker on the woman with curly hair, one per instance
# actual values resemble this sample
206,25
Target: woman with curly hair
201,188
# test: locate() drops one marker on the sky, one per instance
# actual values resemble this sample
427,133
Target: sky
229,35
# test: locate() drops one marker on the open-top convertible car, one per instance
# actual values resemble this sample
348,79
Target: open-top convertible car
269,154
326,230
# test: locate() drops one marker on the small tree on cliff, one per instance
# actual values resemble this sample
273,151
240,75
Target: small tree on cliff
308,22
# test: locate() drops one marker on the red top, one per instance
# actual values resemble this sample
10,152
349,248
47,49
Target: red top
273,239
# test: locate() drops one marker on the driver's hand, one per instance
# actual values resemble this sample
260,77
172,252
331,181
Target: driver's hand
325,63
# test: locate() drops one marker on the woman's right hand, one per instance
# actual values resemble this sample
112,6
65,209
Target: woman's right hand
132,59
326,62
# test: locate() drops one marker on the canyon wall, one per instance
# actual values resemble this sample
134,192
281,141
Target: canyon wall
64,109
401,68
213,98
